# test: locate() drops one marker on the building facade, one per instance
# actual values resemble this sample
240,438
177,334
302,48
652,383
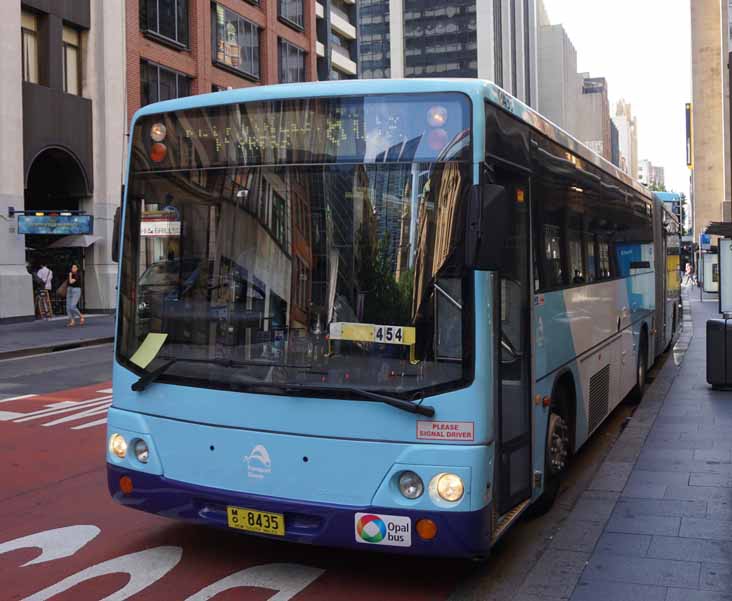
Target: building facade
651,175
65,114
627,138
593,120
433,38
559,83
336,45
710,106
177,48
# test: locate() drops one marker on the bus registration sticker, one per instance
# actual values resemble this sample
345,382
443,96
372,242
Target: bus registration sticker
379,529
252,520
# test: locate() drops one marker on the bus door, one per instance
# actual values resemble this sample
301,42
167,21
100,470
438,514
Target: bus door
514,406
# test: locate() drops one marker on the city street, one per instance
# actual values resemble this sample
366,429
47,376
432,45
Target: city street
62,537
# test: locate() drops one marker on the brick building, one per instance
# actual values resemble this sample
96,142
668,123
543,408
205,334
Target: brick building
176,48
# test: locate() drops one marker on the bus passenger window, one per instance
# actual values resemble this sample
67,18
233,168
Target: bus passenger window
575,257
604,254
591,267
553,256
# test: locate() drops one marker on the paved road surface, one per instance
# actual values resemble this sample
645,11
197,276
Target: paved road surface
62,537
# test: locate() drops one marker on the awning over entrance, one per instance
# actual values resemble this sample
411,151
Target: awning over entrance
720,228
76,241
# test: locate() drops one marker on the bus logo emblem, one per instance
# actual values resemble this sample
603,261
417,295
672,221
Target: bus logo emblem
258,462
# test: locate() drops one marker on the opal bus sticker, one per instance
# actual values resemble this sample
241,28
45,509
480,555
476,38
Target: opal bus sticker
258,462
378,529
458,431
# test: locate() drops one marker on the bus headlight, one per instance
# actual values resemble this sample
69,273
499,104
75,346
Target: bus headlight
410,485
118,445
141,451
449,487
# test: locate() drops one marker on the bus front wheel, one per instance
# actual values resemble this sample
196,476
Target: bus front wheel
556,460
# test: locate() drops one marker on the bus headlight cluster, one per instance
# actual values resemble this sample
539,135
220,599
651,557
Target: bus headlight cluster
449,487
118,445
410,485
141,451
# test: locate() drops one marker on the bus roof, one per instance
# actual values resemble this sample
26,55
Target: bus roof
476,89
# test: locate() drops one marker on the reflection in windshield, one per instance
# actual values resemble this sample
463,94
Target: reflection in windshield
337,275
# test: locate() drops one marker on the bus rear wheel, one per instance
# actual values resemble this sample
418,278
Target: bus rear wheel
636,395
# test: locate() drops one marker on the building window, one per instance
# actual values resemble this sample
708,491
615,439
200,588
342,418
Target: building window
159,83
29,33
71,63
292,63
166,18
235,41
292,12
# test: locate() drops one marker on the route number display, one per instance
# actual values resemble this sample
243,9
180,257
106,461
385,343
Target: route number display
368,332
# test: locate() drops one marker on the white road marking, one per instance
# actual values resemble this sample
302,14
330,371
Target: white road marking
98,422
144,568
64,409
17,398
105,391
75,416
288,579
54,544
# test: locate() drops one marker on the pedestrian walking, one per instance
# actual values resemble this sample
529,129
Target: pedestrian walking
45,276
73,295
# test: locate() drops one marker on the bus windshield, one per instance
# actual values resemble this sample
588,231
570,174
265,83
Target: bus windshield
330,276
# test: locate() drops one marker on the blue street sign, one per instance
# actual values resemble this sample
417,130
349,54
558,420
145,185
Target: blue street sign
705,241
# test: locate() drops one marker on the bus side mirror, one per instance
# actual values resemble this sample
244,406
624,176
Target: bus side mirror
116,235
488,224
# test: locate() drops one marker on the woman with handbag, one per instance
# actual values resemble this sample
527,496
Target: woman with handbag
73,296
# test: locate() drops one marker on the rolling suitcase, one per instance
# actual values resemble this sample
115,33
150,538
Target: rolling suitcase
719,352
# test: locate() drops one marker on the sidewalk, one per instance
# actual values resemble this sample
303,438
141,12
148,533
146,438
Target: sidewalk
656,522
34,337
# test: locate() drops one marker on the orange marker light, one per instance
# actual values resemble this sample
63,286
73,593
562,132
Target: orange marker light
158,152
520,196
125,485
426,529
547,401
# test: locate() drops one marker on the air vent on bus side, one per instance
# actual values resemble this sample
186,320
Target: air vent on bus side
599,397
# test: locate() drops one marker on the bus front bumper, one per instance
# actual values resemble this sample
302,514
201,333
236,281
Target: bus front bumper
459,534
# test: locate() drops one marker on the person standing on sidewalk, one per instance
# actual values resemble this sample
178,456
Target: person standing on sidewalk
45,275
73,295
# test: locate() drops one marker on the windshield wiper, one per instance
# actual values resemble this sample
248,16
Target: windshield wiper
368,395
149,377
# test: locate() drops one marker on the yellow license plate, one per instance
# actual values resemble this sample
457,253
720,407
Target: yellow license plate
262,522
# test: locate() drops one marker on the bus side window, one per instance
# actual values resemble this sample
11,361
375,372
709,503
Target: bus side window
591,266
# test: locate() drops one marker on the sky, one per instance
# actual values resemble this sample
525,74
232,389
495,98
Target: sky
643,49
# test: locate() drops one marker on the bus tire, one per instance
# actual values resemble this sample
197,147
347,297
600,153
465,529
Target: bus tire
636,395
556,460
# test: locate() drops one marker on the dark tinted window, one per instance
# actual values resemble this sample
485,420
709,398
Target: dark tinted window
167,18
374,39
292,63
159,83
292,12
588,226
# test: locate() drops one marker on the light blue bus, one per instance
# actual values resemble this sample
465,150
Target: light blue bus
372,313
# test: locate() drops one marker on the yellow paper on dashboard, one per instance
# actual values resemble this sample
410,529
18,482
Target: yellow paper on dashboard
148,350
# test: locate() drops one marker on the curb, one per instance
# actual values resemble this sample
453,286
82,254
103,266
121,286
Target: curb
54,348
